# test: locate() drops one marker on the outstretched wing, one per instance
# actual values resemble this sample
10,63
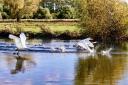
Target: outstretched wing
90,44
87,42
23,40
16,40
12,36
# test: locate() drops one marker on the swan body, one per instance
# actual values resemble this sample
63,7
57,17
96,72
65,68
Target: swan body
19,41
23,40
86,44
106,52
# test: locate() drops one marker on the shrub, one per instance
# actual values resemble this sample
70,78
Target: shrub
4,15
42,13
0,15
54,15
104,21
46,31
6,31
66,12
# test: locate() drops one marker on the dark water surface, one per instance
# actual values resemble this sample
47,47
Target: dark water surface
36,68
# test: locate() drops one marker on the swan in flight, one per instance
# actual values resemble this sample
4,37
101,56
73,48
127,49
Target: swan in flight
19,41
106,52
87,41
86,44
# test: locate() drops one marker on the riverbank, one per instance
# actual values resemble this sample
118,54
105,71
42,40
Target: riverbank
62,29
41,28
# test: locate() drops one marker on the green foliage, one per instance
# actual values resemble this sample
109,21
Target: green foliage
0,15
5,15
28,9
18,8
60,9
42,13
19,29
103,19
66,12
1,7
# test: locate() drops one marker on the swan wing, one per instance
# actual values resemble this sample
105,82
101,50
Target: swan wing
12,36
87,42
81,45
16,40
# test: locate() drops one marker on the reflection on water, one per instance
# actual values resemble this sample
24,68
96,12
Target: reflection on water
20,64
17,63
101,70
65,68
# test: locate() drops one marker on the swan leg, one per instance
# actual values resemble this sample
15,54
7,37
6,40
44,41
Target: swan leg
17,51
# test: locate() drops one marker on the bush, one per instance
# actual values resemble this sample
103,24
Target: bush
42,13
54,15
6,31
103,21
5,15
1,8
19,30
46,31
66,12
0,15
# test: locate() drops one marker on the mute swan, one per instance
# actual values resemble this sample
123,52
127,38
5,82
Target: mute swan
106,52
19,41
86,44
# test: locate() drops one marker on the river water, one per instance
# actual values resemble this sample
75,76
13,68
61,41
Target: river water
40,68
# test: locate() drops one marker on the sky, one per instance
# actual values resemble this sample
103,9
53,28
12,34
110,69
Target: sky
126,1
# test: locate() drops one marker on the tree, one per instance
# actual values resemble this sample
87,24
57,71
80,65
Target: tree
103,19
56,5
42,13
18,8
67,12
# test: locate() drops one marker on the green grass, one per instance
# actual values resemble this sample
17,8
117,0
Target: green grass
64,28
34,27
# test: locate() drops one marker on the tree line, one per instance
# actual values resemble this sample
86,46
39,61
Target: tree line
37,9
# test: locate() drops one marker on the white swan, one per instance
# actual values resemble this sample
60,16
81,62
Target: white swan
86,44
106,52
19,41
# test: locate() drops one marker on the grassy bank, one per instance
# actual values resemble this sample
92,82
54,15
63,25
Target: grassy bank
40,29
46,29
